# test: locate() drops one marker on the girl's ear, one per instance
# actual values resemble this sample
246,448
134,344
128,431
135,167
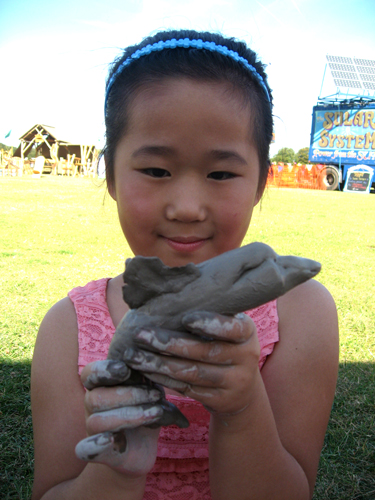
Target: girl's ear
259,195
110,182
262,187
111,190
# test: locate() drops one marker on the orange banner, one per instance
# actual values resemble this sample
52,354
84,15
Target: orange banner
296,176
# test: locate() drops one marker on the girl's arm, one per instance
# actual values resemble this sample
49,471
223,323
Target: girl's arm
272,449
59,421
267,429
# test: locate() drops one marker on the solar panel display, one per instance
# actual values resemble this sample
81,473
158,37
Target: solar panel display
365,69
342,74
348,84
339,59
341,67
353,72
364,62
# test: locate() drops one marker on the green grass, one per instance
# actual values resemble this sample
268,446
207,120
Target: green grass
56,233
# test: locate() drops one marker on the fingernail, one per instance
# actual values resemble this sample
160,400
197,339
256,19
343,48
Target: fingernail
197,317
154,411
155,395
132,356
144,336
117,368
128,353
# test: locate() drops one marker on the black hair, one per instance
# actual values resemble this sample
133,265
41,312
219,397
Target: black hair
196,64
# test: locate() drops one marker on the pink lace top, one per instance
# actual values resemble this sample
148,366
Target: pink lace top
181,471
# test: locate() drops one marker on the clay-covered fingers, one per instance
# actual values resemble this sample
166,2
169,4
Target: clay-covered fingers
236,329
184,370
131,451
106,372
115,422
213,339
113,408
123,418
108,398
167,342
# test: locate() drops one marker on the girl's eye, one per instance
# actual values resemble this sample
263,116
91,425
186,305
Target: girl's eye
156,172
221,176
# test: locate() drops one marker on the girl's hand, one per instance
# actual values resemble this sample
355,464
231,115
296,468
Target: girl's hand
215,364
115,419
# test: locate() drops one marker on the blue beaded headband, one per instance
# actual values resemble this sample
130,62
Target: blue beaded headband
185,43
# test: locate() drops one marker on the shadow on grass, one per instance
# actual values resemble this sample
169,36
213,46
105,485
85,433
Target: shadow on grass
16,443
347,465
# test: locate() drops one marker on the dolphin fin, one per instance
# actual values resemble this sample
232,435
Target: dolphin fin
147,277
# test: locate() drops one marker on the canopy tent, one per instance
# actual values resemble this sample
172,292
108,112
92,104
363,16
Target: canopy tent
49,143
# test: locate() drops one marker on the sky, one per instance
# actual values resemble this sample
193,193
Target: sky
55,55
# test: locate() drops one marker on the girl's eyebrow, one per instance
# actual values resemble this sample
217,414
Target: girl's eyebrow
153,151
215,154
224,154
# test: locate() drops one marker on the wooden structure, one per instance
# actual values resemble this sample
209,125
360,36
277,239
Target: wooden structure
48,143
9,164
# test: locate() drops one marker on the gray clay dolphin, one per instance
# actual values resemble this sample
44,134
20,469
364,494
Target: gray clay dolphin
236,281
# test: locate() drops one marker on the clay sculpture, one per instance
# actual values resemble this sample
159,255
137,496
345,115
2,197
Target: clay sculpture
161,296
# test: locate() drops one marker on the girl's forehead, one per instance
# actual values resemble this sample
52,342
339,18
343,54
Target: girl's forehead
185,88
180,100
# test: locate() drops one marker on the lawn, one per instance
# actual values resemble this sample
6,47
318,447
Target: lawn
57,233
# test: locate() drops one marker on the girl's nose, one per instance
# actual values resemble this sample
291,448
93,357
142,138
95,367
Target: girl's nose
187,204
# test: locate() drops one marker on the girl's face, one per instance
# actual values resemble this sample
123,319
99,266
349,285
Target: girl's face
186,172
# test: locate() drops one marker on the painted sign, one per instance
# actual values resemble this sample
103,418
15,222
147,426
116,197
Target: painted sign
343,134
358,179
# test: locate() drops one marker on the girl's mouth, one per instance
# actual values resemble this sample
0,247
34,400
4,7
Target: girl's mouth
186,244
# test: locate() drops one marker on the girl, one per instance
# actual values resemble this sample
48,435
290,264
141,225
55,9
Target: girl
188,127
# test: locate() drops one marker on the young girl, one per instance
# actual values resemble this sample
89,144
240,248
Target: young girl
188,127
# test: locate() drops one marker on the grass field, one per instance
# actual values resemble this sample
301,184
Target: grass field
56,233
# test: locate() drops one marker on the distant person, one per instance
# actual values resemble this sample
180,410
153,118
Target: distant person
188,129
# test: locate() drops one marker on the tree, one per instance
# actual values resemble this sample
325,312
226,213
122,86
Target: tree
5,147
285,155
302,156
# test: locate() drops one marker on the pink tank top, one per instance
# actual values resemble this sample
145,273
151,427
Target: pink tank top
181,470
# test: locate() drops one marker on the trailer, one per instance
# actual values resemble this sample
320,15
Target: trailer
343,123
342,135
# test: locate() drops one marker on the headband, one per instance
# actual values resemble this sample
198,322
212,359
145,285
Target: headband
185,43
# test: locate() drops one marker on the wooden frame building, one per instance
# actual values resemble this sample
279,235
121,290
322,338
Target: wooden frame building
48,144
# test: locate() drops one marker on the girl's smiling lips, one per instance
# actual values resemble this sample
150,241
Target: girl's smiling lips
185,243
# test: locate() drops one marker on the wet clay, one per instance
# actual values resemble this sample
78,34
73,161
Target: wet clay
236,281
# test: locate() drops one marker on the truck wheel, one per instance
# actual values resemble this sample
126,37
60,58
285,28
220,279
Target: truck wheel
328,179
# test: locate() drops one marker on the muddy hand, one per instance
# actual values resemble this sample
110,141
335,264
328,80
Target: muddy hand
118,419
108,373
214,364
129,451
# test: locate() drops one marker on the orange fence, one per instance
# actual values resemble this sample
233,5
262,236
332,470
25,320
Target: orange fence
296,176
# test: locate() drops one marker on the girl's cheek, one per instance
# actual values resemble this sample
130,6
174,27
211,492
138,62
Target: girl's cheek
138,201
142,211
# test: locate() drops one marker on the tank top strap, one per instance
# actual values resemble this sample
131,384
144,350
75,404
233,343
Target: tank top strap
95,325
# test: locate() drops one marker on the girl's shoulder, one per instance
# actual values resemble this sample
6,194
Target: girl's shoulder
308,308
308,327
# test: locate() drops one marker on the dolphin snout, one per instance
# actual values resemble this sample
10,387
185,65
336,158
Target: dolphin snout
306,267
